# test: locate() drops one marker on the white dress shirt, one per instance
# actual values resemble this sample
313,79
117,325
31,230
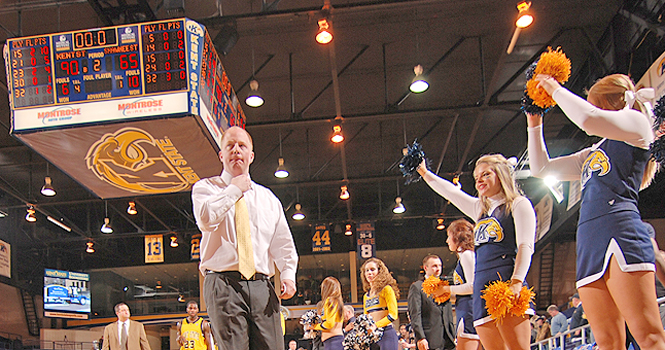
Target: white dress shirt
120,323
214,201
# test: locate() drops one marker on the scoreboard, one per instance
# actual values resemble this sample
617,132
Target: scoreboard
68,79
137,108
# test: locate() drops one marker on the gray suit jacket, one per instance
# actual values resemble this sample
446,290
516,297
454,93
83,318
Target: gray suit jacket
136,338
430,320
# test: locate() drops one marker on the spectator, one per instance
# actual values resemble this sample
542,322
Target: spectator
543,328
559,322
293,344
579,318
406,338
349,318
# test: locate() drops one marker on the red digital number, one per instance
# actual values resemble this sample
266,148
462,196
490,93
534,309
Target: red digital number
133,81
65,88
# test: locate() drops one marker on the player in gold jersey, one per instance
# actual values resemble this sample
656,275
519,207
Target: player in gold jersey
193,331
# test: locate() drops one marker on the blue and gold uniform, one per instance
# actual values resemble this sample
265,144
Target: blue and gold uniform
496,249
192,333
331,320
385,300
464,304
610,221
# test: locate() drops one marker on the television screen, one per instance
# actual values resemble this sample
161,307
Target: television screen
66,294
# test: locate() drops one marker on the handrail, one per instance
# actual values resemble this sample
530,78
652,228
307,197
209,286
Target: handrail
584,330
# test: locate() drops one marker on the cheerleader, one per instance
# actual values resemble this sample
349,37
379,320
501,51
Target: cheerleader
460,241
380,300
504,235
332,315
615,256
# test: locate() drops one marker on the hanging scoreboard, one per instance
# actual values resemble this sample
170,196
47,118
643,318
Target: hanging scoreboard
162,80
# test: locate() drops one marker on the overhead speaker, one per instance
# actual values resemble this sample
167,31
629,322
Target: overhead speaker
175,8
226,38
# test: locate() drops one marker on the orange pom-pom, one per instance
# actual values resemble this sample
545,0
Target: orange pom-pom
500,301
520,306
432,284
555,64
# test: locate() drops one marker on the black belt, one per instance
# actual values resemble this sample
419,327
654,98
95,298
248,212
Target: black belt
235,275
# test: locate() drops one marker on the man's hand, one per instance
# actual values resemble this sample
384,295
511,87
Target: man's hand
422,344
242,182
288,289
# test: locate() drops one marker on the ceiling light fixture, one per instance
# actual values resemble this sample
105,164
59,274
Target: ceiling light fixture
106,227
59,223
281,171
159,285
555,186
181,298
324,35
298,215
524,19
174,241
47,189
89,248
348,231
30,217
131,209
419,83
3,214
254,99
439,224
456,181
337,136
399,207
344,195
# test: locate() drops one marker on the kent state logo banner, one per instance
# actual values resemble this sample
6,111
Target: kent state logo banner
133,160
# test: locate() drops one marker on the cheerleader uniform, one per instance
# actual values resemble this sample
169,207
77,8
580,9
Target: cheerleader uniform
611,174
331,321
463,291
385,300
504,241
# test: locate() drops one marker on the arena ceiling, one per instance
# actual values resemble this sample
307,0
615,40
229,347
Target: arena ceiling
471,108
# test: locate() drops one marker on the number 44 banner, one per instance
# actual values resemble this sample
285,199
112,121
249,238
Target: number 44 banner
321,239
366,237
154,252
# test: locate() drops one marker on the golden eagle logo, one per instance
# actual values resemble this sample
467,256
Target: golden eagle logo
457,278
488,228
596,161
130,159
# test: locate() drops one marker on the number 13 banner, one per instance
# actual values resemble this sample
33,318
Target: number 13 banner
366,239
154,252
321,238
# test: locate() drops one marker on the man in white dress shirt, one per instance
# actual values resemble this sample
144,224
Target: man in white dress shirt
243,307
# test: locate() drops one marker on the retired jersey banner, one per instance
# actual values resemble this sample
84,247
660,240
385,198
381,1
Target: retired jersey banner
5,259
154,249
321,238
195,251
366,239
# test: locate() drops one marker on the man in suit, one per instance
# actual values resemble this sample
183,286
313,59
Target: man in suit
125,334
433,324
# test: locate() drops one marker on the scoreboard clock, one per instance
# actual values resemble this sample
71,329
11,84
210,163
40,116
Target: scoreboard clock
158,88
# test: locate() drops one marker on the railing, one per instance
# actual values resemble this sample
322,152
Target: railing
69,345
585,337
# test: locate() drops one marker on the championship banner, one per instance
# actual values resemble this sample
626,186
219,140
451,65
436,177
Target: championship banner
543,211
154,249
366,240
5,259
321,238
195,243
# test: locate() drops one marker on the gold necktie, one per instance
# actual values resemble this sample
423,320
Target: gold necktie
123,336
245,250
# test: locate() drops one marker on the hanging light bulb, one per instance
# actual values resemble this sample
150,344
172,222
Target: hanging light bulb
525,18
344,195
419,83
324,35
399,207
30,217
337,136
281,170
89,249
106,227
348,231
439,224
131,209
159,285
254,99
174,241
298,215
47,189
181,298
456,181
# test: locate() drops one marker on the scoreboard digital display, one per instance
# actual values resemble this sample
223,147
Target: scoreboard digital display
149,69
